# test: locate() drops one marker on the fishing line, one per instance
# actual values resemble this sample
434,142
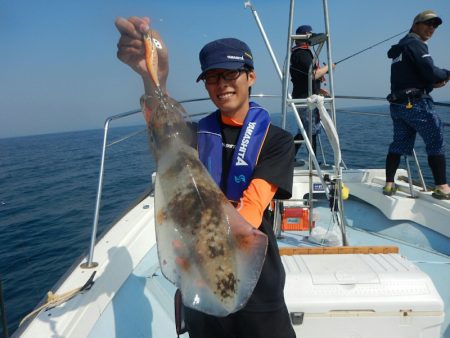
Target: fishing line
379,43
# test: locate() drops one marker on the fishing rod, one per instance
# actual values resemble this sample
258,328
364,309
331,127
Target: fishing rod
379,43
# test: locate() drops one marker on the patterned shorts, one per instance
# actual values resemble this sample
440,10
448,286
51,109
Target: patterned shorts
421,119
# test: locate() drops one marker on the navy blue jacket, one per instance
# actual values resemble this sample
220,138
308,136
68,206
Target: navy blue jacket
301,60
412,65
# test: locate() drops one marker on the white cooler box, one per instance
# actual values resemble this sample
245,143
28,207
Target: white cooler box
361,296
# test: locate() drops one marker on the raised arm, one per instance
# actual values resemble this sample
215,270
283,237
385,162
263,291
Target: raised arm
131,50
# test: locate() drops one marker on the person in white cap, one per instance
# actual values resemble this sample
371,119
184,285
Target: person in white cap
413,77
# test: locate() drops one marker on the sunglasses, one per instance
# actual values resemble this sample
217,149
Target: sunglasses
433,23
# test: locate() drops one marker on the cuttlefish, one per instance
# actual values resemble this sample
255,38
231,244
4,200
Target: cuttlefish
205,247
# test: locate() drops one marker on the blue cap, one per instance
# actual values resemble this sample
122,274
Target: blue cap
303,29
226,53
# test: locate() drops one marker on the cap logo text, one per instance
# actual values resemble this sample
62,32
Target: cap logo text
234,57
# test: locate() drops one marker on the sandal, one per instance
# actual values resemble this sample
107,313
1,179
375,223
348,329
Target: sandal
440,195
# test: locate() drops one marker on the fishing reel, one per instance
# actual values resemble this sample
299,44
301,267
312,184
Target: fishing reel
334,192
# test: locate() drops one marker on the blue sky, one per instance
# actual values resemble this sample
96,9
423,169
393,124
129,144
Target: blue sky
59,70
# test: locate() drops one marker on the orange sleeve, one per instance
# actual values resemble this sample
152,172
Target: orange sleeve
255,200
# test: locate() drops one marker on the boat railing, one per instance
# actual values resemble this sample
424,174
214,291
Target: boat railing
90,259
414,155
90,263
296,102
287,102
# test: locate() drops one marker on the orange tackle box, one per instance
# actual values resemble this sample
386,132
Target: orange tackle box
295,219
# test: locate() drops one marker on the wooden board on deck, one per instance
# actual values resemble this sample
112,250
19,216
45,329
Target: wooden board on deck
338,250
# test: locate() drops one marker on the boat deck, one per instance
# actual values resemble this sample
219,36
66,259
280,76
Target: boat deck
131,298
367,226
144,303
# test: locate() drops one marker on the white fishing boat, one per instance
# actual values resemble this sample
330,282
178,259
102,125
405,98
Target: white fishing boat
368,265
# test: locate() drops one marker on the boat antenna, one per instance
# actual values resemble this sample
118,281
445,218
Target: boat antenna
378,43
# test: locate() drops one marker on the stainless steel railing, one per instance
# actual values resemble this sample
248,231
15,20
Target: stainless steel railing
90,259
90,263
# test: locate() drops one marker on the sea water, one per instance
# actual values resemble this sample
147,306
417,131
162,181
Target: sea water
47,202
48,185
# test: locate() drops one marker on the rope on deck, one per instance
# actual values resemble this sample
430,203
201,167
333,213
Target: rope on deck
55,300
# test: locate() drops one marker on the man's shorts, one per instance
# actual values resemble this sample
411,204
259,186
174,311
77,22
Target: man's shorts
421,119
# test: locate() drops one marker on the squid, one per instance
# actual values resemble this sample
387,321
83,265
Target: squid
205,247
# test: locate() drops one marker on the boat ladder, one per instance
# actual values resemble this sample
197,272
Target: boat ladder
318,41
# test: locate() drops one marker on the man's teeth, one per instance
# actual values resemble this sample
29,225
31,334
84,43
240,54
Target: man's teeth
224,96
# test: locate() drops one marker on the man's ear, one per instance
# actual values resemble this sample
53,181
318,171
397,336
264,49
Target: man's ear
251,77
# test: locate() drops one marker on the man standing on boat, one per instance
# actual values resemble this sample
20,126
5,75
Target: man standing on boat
228,74
301,61
413,77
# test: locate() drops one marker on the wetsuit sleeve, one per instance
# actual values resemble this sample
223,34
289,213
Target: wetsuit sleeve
255,200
